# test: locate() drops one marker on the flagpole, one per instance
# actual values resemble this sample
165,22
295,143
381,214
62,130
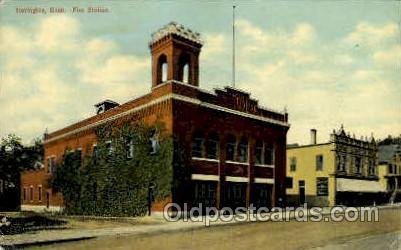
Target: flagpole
233,69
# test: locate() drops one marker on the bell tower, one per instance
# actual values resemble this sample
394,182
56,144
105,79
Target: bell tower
175,55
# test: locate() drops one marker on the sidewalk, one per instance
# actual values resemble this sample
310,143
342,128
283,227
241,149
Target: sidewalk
56,236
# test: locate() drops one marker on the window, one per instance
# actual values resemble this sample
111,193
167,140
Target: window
95,154
39,193
293,164
49,165
358,165
51,162
197,145
343,161
109,148
78,156
230,148
288,182
154,142
390,169
184,68
204,190
25,194
212,146
371,168
340,159
319,162
259,153
130,148
31,193
162,69
322,186
243,150
164,72
269,154
185,73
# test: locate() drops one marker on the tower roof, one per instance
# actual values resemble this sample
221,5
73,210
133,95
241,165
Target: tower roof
177,29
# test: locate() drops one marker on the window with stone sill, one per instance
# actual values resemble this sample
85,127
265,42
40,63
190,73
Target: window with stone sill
197,145
230,148
259,153
243,150
268,154
212,146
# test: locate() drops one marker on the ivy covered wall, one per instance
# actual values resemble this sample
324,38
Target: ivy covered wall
113,180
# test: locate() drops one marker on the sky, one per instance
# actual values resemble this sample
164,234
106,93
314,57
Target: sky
327,62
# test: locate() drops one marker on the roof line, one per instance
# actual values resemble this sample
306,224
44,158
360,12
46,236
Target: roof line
164,98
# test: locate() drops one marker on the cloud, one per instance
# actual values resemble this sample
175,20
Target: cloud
366,34
51,83
390,57
323,85
57,34
50,73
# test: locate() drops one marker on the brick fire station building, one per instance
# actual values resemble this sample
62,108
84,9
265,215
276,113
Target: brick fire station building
236,148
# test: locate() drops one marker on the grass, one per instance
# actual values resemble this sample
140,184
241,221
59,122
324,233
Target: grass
25,222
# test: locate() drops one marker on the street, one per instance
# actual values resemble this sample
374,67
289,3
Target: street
384,234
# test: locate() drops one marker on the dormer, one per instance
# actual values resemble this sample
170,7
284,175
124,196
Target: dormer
105,105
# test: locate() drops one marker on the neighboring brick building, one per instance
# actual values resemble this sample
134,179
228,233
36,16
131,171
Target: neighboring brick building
342,171
236,148
390,170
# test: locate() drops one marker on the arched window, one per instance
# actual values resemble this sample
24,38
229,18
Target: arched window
162,70
197,145
212,146
184,68
243,150
185,73
231,146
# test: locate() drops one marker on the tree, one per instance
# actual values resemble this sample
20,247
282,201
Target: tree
14,158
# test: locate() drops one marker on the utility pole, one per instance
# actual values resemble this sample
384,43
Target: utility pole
233,69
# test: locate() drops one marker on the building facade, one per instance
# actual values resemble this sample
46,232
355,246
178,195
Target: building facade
342,171
390,171
235,149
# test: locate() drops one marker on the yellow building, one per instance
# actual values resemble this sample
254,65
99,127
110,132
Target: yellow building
341,171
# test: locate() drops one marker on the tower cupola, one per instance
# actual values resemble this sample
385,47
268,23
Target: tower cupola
175,55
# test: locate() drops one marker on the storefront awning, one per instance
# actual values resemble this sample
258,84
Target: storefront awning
352,185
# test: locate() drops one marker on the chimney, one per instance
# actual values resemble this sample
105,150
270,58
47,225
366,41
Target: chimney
313,136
